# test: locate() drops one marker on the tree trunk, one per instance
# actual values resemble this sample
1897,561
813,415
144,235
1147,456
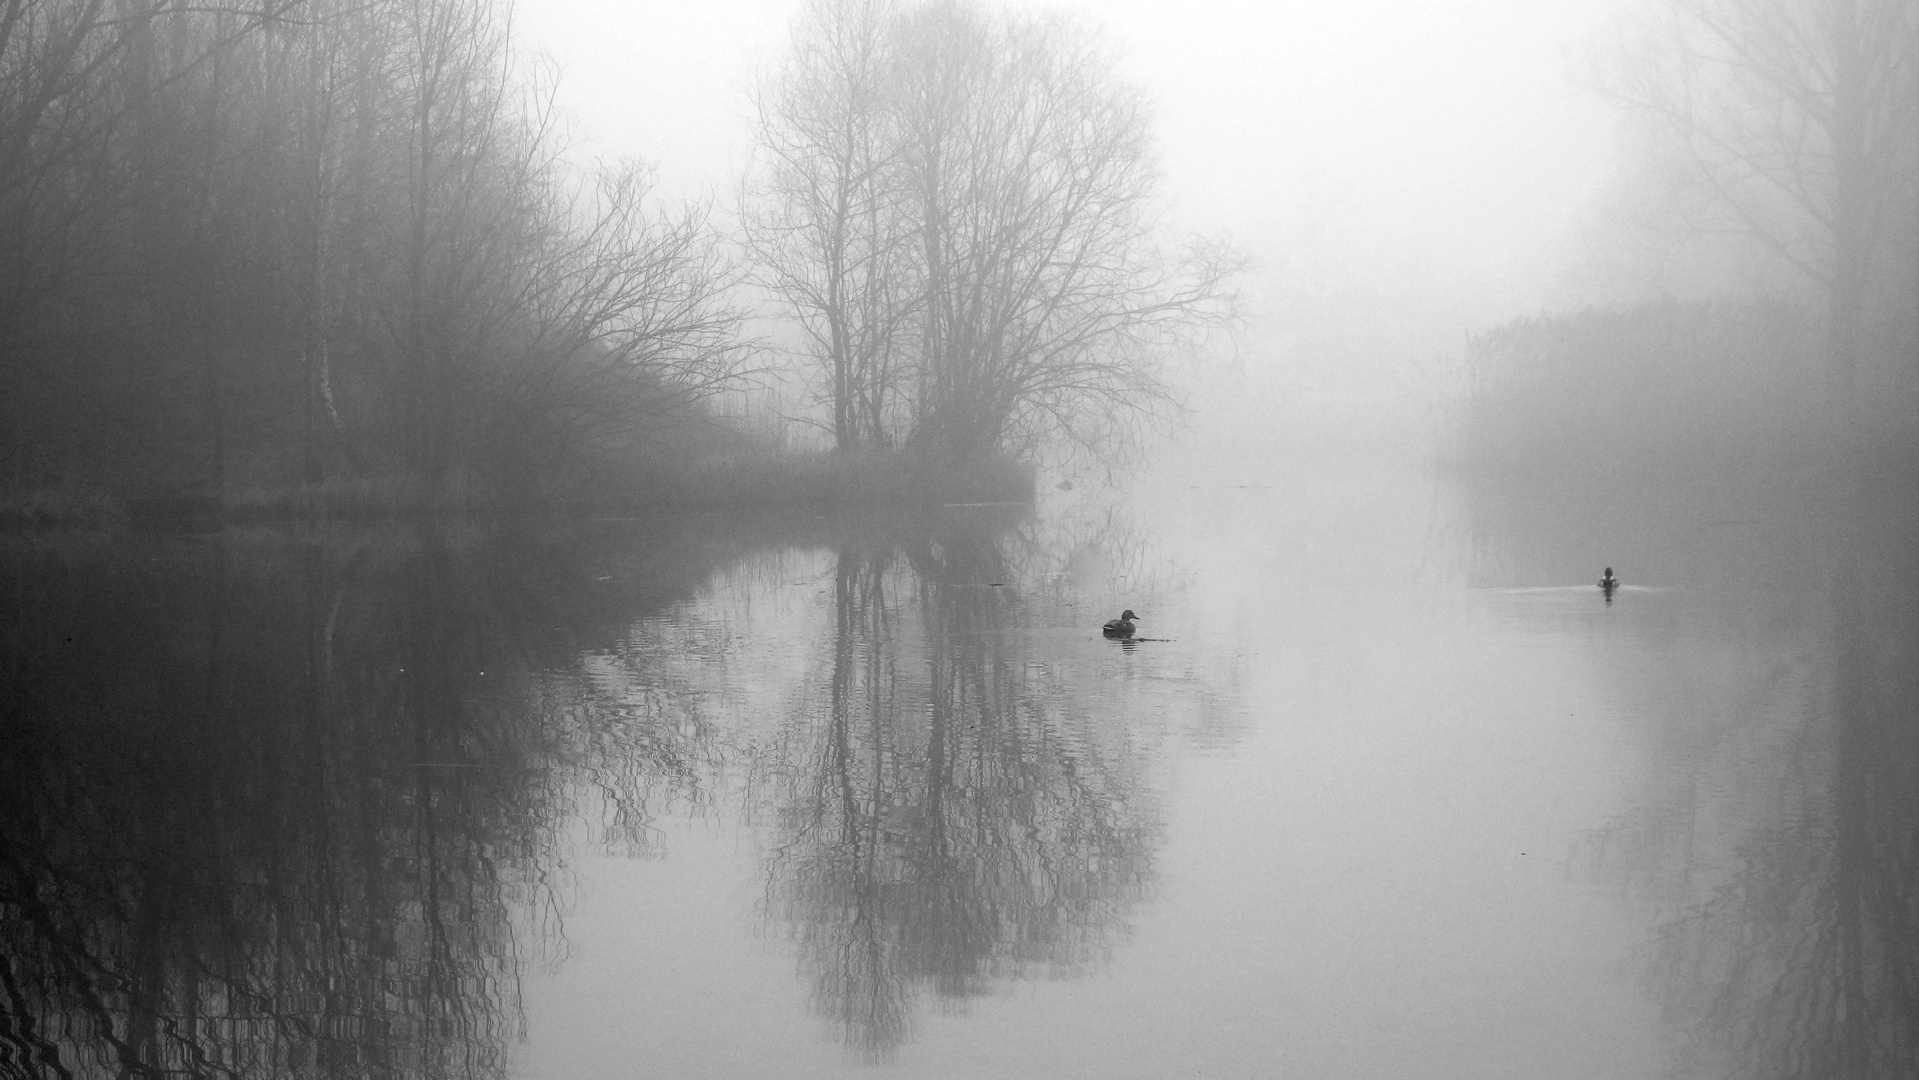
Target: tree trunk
1851,250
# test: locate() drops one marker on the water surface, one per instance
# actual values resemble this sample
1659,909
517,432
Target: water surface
1390,789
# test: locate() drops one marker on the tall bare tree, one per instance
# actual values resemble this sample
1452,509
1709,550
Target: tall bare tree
960,206
86,87
1799,119
824,220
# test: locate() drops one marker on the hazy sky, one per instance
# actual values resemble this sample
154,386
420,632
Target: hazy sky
1433,152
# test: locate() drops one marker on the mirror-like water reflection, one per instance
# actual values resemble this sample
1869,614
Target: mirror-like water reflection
278,808
268,811
950,807
1391,784
1773,840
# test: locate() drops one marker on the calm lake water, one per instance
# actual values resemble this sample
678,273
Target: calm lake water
1387,788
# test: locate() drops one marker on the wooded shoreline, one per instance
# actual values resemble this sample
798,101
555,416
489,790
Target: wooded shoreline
821,479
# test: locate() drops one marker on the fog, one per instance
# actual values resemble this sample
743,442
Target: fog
1399,172
956,538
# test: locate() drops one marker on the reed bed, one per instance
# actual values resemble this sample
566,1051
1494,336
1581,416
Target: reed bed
1654,386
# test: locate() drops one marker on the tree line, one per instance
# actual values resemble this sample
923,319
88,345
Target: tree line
294,240
284,243
287,242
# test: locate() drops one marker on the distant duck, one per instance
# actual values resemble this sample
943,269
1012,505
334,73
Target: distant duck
1120,627
1607,581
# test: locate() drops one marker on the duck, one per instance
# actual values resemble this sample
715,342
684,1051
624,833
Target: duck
1120,627
1607,581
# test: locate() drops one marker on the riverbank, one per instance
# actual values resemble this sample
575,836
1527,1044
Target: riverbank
812,478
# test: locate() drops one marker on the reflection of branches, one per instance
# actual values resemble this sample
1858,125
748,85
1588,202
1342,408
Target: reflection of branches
1806,960
1803,959
275,817
633,741
946,829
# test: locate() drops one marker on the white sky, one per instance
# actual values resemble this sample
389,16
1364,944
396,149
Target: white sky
1433,155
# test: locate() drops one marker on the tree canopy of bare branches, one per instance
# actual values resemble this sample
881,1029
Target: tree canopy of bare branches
958,207
1798,121
282,240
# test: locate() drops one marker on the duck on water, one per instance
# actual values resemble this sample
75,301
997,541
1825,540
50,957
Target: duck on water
1120,627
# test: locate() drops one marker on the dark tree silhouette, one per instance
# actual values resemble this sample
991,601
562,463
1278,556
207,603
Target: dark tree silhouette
958,205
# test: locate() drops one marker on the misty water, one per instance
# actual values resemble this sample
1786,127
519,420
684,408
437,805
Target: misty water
1387,787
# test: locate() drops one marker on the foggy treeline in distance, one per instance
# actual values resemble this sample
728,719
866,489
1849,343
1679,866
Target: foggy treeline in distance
292,246
1776,183
256,247
295,241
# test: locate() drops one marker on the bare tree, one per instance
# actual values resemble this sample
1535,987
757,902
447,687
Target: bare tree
623,317
974,193
1799,119
1049,306
312,62
823,218
299,231
85,88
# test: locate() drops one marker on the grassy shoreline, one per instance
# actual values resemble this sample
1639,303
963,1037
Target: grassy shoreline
824,479
869,478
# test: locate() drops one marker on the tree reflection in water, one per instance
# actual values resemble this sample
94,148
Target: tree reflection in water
1804,960
272,810
950,808
1783,872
